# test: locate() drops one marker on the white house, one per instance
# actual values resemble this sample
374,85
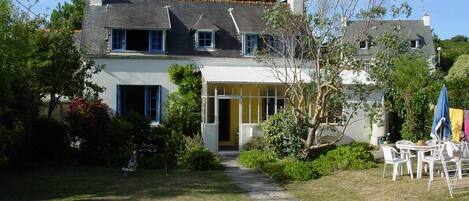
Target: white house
138,40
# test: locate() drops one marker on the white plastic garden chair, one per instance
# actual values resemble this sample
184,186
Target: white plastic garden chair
441,156
391,158
405,153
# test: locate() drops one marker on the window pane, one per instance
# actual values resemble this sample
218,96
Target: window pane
157,40
280,105
205,39
254,110
271,106
250,43
118,39
246,110
263,109
210,110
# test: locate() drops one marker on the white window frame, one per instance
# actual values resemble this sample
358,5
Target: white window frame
366,45
150,32
204,48
244,44
123,44
416,44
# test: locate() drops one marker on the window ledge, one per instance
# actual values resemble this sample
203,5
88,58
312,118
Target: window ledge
205,49
135,53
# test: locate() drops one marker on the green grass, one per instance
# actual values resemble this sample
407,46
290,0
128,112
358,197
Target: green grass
90,183
370,185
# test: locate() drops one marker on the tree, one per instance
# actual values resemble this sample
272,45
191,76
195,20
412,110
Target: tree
457,82
308,56
414,86
19,98
184,106
67,16
60,70
460,38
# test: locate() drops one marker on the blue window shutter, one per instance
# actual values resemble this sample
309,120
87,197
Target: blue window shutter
118,100
146,102
159,104
150,41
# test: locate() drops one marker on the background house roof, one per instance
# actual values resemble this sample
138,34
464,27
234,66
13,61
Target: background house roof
408,29
183,15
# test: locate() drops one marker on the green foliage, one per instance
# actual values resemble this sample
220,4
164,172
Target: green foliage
60,70
256,158
460,69
20,100
355,156
345,157
46,139
200,159
450,52
183,109
415,87
89,122
68,15
283,134
457,82
460,38
255,143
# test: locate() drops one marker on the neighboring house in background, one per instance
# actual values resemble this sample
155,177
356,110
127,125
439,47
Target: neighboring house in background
138,40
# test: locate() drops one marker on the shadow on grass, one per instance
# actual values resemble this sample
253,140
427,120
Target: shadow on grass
91,183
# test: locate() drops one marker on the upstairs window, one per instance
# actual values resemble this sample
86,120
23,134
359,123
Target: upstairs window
262,43
118,39
250,43
414,44
156,41
204,39
138,40
363,44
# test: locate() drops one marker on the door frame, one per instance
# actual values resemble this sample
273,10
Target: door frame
240,117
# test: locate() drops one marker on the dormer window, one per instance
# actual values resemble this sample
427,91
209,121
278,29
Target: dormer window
250,43
138,40
363,44
118,39
156,41
204,39
414,44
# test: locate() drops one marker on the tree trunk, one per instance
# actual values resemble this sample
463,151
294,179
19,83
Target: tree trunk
52,104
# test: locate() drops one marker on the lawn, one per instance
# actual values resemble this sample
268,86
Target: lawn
96,183
370,185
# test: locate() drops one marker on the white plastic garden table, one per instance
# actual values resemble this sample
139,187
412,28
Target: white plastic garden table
420,149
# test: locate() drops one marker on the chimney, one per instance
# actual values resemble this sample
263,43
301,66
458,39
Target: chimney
296,6
343,21
426,20
96,2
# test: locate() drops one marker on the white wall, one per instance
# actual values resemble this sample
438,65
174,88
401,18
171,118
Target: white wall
126,71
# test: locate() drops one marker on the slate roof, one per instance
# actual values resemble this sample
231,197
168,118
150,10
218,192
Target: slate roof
408,29
183,15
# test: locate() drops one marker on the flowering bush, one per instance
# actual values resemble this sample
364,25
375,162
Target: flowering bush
89,123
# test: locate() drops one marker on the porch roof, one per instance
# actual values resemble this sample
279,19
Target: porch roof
266,75
258,75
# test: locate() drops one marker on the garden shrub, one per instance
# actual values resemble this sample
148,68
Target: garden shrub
344,157
88,126
46,139
256,158
283,134
255,143
200,159
355,156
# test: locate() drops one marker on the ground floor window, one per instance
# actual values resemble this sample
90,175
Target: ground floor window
144,100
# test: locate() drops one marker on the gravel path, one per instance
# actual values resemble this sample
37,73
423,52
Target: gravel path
256,185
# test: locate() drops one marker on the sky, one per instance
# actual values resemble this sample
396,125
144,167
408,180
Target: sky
447,17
